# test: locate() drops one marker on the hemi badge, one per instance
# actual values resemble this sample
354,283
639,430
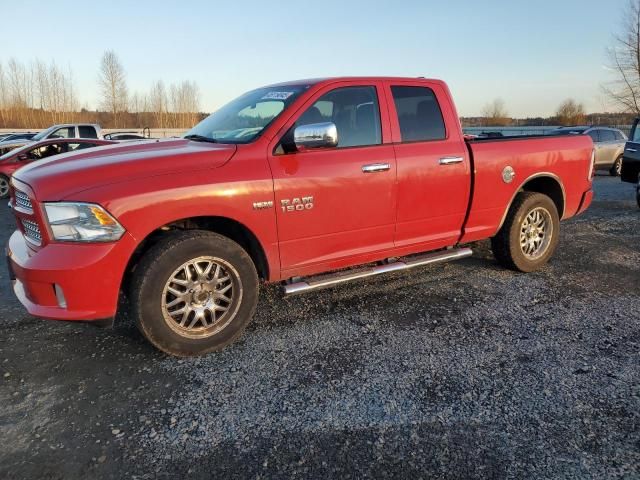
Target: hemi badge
262,205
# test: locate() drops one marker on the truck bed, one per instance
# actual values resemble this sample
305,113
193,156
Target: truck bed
532,158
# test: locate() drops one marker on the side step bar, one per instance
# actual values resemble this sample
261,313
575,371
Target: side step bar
346,276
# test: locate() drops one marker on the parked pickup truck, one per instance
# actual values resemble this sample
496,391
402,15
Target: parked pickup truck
308,183
69,130
630,171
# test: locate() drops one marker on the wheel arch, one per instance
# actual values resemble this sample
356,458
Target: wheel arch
545,183
224,226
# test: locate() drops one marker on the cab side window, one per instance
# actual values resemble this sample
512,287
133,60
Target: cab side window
87,131
595,136
607,136
45,151
71,147
64,132
354,111
419,114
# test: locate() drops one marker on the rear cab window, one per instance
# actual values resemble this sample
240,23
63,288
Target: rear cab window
87,131
419,114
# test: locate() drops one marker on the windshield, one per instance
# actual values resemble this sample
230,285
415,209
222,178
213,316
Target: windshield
42,134
245,118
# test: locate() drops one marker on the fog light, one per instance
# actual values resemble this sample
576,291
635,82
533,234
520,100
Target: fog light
62,302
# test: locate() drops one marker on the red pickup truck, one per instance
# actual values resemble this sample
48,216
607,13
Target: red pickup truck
282,184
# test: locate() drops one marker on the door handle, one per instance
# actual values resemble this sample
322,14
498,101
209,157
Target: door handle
632,150
450,160
376,167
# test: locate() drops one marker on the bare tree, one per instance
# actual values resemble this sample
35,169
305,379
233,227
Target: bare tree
495,113
159,101
570,112
113,85
36,95
624,61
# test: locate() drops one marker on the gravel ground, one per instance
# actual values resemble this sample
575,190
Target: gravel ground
459,371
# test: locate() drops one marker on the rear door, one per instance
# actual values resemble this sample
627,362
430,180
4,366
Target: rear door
631,160
434,176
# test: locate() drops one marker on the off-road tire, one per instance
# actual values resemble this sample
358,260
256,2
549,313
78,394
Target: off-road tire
616,168
506,244
159,264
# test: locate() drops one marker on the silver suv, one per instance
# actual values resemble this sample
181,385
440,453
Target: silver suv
609,143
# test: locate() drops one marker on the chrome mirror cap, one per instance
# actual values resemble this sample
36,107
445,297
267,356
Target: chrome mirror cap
316,135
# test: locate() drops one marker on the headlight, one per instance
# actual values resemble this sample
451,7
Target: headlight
82,222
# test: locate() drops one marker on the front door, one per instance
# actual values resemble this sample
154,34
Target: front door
336,205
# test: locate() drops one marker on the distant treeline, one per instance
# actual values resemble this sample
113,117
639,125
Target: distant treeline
36,95
589,119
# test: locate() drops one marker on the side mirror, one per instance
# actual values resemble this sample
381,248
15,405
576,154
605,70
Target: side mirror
316,135
22,157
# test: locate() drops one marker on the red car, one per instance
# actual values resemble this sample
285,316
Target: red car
283,183
19,157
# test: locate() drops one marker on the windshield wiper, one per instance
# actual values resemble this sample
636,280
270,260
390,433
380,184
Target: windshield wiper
201,138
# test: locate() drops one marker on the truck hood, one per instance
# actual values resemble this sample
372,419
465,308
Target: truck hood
64,175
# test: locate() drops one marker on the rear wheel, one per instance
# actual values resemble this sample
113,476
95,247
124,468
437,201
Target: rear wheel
4,186
529,235
193,293
616,169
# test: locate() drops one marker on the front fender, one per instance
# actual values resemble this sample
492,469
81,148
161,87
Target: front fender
143,207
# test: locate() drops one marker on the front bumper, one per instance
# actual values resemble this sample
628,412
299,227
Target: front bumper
66,281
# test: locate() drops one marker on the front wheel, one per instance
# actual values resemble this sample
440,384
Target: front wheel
194,292
529,235
4,187
616,169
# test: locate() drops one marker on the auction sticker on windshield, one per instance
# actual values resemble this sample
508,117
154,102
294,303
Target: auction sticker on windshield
277,95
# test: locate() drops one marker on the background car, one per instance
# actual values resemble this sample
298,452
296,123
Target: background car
70,130
609,143
631,163
17,136
6,147
124,136
31,152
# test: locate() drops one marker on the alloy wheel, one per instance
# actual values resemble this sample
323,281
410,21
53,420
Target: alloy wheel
535,233
201,297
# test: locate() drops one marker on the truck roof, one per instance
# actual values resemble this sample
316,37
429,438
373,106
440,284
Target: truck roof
314,81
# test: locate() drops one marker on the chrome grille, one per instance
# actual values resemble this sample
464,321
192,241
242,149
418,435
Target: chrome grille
32,231
23,201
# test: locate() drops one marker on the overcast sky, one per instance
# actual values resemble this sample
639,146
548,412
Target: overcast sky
532,54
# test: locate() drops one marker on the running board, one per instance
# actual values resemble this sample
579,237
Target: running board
346,276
